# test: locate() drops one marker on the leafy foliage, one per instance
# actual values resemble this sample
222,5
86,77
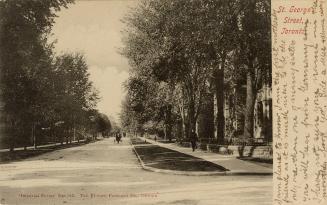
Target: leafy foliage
38,89
193,47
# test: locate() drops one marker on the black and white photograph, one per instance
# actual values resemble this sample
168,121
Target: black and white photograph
136,102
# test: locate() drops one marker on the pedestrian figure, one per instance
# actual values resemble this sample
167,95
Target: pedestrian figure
117,137
194,139
120,136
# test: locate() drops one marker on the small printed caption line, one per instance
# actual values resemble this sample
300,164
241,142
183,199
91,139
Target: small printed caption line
91,195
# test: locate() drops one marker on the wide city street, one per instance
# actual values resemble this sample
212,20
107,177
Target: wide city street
108,173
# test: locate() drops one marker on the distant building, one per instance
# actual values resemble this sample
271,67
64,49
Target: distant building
263,115
234,115
235,100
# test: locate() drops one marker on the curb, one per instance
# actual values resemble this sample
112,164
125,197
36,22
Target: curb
199,173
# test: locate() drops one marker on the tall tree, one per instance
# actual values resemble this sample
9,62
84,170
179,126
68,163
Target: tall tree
171,48
254,45
189,44
74,93
219,29
25,61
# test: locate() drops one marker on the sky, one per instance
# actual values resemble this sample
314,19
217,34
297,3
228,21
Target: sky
94,29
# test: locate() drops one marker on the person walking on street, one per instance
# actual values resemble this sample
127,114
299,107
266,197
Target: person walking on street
194,139
120,137
117,137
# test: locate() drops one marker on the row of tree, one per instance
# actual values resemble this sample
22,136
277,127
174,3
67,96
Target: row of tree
45,97
183,51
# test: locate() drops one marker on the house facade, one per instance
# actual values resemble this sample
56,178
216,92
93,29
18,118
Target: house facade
234,117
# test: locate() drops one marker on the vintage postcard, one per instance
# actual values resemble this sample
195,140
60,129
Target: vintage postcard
299,99
181,102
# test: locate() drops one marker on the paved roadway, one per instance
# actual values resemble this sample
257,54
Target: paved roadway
107,173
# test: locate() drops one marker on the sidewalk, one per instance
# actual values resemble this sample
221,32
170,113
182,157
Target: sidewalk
6,156
236,166
39,146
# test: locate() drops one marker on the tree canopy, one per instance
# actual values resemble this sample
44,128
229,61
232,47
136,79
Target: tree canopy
39,89
192,48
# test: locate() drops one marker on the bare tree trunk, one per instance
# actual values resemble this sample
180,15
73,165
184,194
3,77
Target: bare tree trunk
249,109
12,144
34,136
168,122
206,119
165,131
12,138
61,137
74,132
182,113
220,105
66,135
183,123
70,135
192,119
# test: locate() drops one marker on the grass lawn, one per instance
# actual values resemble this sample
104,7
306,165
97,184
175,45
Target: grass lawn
163,158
